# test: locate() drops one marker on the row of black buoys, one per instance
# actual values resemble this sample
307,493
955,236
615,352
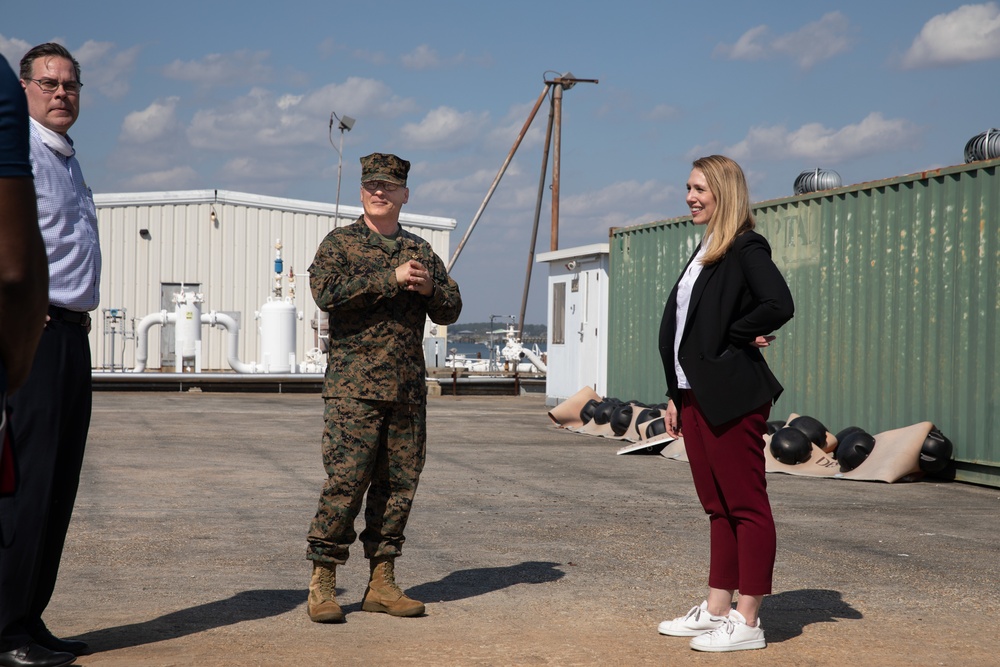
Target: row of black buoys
855,445
618,414
792,443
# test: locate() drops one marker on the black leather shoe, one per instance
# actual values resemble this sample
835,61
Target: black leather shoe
33,655
43,637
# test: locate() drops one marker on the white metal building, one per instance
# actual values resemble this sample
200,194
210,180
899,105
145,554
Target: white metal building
220,244
577,346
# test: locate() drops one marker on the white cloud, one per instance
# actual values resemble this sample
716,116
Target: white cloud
13,50
748,46
169,179
358,98
251,169
425,57
467,190
874,134
154,122
971,33
502,136
590,214
811,44
444,128
248,121
262,119
236,68
288,101
104,69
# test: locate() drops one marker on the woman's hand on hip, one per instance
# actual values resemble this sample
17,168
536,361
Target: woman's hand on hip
672,421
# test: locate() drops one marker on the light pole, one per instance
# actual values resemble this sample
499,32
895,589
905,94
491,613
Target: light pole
345,123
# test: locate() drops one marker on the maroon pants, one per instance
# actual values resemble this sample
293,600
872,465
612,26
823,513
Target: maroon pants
727,463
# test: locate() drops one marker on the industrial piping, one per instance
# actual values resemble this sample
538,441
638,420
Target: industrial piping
212,319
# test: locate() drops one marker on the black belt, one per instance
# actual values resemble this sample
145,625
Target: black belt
71,316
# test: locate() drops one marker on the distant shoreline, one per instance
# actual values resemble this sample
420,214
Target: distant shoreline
477,337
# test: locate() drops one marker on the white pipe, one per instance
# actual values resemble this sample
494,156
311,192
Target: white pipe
141,352
221,319
535,361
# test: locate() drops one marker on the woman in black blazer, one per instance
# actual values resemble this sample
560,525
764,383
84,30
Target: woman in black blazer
729,297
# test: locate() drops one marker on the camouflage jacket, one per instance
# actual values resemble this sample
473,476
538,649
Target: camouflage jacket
376,329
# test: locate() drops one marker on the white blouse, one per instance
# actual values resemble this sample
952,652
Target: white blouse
684,287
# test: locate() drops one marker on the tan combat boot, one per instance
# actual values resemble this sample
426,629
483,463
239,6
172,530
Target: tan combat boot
383,595
323,607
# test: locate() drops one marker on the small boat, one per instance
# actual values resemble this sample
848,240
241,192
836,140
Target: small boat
513,356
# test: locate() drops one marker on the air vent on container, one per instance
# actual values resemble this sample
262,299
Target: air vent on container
815,180
984,146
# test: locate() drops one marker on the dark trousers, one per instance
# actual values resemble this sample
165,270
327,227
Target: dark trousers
50,417
373,449
727,463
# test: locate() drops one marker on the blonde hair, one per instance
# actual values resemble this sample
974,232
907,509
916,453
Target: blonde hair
733,215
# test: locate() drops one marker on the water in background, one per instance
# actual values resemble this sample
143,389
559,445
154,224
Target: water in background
470,349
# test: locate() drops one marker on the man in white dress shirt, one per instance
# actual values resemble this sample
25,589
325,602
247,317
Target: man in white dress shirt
51,411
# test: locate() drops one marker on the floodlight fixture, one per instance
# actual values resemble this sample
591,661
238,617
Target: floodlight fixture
344,125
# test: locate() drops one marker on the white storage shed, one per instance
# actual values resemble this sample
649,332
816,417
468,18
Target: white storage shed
221,245
577,346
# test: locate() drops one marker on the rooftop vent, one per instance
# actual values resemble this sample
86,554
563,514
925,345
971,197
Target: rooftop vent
983,146
815,180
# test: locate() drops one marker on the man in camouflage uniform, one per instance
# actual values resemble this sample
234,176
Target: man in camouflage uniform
379,283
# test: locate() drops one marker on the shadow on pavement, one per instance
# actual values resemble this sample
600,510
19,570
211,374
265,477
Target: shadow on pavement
244,606
481,580
786,614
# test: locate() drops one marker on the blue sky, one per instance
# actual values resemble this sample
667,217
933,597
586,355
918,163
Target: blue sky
238,96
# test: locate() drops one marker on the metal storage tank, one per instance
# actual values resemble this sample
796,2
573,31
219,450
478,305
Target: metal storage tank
897,315
220,244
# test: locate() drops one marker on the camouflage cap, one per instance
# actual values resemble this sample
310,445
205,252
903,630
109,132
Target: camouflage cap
384,167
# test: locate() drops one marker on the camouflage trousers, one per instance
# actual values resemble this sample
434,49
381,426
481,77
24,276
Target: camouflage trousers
373,447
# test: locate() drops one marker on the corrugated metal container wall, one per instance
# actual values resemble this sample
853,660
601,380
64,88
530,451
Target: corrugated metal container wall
644,264
897,315
229,257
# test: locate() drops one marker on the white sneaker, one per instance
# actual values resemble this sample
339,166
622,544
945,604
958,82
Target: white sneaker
695,622
733,635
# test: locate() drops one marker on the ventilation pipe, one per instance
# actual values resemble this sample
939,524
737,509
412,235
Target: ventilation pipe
983,146
815,180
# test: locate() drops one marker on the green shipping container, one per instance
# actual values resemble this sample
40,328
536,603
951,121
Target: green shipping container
897,307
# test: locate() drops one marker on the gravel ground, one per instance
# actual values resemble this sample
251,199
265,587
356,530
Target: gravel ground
530,546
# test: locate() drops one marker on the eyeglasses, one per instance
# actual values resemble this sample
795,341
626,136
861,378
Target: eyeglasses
50,86
384,186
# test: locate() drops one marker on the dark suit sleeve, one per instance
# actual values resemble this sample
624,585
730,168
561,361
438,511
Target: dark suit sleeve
773,299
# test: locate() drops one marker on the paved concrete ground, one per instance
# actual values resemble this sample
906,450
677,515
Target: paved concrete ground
530,546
